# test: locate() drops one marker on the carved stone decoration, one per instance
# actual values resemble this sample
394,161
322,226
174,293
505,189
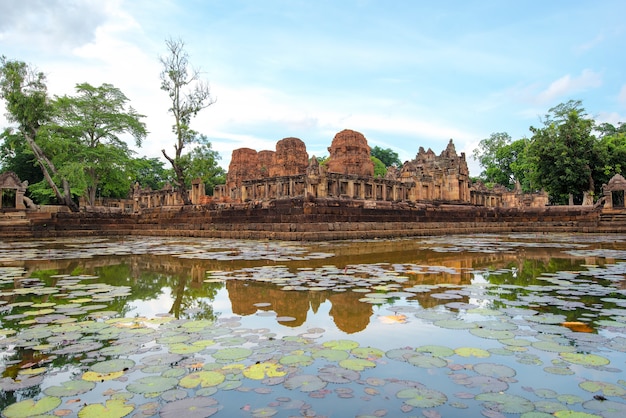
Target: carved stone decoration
350,154
290,158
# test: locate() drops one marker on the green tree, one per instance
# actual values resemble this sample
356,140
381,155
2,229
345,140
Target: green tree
28,106
150,172
387,156
494,158
564,153
612,148
188,95
94,121
380,169
16,156
201,163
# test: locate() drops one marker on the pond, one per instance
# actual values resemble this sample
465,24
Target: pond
530,325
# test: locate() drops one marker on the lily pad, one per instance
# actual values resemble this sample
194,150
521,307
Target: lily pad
494,370
472,352
203,378
436,350
113,408
338,375
427,362
92,376
70,388
341,344
262,370
607,389
232,354
305,382
422,397
110,366
356,364
152,384
369,353
195,407
331,355
506,403
30,407
585,359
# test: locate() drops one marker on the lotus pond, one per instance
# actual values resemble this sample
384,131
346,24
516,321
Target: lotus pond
528,325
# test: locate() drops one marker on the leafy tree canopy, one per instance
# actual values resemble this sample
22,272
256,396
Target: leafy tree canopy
386,156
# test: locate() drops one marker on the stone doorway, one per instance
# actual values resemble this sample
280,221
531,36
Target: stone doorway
618,198
8,198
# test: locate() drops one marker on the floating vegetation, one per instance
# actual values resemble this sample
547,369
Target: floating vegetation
295,334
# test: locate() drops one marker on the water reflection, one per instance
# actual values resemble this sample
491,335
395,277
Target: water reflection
438,286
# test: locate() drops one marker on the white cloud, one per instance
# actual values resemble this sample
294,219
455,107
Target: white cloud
568,85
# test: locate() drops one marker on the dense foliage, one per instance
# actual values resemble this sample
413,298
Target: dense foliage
73,147
570,156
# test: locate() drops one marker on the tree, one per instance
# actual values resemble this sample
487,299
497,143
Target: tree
201,163
93,121
490,154
16,156
149,172
188,95
387,156
380,169
28,105
564,152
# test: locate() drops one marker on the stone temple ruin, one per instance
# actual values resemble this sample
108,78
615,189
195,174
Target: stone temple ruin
348,173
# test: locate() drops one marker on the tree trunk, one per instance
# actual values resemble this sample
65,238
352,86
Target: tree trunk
44,164
571,199
180,179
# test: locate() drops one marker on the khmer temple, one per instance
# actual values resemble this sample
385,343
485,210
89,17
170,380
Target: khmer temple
348,173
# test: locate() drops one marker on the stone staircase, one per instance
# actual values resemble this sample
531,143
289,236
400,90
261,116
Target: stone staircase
14,224
612,220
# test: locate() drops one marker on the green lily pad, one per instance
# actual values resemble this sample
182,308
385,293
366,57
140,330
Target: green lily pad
494,370
260,371
606,408
576,414
472,352
367,353
356,364
506,403
296,360
152,384
338,375
195,407
422,397
202,378
113,408
585,359
92,376
70,388
427,362
232,354
436,350
30,407
181,348
455,324
608,389
110,366
346,345
331,355
305,382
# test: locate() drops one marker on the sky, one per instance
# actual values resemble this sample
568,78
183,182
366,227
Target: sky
405,73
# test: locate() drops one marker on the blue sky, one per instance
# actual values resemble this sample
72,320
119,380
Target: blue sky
404,73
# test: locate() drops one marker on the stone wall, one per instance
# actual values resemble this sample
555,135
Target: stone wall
322,219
